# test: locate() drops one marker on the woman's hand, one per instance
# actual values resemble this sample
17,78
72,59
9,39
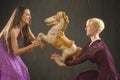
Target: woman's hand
57,59
36,43
39,43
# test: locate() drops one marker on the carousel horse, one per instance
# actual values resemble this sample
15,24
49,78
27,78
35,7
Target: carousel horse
57,38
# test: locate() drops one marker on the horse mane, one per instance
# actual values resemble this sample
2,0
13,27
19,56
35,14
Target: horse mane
65,17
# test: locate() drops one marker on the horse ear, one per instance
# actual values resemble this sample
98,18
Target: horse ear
63,13
65,17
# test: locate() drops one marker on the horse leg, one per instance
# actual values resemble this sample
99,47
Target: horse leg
65,54
42,36
77,53
74,51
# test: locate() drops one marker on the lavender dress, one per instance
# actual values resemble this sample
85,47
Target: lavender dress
97,53
11,66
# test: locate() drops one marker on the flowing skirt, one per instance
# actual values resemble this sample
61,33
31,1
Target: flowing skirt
11,66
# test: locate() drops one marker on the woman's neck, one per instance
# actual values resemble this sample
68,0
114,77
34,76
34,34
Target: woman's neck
21,25
94,38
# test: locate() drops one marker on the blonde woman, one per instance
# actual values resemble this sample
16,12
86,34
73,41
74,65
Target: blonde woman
95,51
16,31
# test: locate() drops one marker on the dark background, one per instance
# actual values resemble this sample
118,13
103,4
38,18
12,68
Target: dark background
38,61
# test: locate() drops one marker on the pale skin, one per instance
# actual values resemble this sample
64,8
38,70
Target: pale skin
14,35
91,32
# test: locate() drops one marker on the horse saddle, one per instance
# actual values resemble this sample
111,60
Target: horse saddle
63,40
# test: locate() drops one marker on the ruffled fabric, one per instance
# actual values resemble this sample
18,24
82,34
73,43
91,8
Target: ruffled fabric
11,66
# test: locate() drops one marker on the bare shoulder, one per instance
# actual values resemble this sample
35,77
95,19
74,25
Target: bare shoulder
14,32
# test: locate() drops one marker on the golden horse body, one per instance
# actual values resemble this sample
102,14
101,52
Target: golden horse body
57,38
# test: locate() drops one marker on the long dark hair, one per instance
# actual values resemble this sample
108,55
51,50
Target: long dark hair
15,20
19,13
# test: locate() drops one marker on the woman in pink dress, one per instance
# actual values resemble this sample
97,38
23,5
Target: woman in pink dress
95,51
16,30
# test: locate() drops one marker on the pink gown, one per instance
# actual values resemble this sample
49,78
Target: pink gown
11,66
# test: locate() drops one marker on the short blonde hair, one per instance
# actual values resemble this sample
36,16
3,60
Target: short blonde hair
97,23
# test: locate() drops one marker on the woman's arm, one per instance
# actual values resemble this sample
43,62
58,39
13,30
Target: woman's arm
32,37
87,53
57,59
15,46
